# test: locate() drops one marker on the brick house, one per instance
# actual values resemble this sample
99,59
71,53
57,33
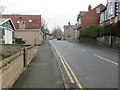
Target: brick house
27,27
79,18
92,16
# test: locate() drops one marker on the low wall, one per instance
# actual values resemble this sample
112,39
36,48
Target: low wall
29,54
10,49
101,41
12,67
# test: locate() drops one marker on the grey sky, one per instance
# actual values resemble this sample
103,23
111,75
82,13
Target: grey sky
55,12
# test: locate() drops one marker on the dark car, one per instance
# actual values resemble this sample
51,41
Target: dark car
58,38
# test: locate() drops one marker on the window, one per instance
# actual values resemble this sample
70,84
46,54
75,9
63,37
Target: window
97,10
18,22
68,36
30,20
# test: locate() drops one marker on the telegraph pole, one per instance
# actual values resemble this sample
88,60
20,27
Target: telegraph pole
110,37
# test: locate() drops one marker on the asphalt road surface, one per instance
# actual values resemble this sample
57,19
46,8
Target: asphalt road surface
93,67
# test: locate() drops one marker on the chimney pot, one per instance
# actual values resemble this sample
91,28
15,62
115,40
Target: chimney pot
68,23
89,8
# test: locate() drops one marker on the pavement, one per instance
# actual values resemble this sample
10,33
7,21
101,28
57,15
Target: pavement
43,71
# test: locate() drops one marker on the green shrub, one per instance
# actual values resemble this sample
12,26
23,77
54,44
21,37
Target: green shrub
95,31
19,42
91,31
116,29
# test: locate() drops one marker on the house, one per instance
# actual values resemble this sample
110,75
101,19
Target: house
7,30
91,17
70,32
111,13
79,18
28,27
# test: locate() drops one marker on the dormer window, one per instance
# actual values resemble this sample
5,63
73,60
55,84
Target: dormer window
30,20
18,22
97,10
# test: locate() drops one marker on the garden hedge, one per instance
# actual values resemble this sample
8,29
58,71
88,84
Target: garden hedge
95,31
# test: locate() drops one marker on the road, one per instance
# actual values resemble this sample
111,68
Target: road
93,67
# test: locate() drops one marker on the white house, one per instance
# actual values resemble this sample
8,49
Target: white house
6,31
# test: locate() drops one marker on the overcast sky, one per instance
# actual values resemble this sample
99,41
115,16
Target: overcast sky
55,12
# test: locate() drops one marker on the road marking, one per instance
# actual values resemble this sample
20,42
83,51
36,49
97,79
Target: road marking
83,50
69,75
105,59
76,80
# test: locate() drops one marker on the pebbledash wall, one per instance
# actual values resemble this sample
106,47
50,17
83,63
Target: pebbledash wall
12,67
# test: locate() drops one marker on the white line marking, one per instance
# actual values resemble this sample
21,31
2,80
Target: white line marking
83,50
105,59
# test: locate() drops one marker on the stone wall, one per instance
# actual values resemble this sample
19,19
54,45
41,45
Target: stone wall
29,54
12,67
10,49
101,41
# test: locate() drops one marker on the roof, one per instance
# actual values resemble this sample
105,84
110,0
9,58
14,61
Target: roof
67,26
83,11
35,24
3,20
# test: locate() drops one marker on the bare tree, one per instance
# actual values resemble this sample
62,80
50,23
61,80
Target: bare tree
57,32
2,8
43,24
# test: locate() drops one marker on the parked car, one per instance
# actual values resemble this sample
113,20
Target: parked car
59,38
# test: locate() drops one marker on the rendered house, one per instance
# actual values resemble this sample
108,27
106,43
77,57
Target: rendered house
7,30
28,27
70,32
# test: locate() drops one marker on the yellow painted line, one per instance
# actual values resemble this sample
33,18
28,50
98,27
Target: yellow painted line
76,80
105,59
68,73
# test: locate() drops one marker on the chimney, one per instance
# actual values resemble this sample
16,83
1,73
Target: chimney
89,8
21,23
68,23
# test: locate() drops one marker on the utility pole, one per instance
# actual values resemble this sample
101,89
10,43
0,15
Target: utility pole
110,37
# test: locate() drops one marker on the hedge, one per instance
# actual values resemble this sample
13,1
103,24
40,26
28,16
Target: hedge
91,31
95,31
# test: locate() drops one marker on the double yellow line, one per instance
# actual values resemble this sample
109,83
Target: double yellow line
69,71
